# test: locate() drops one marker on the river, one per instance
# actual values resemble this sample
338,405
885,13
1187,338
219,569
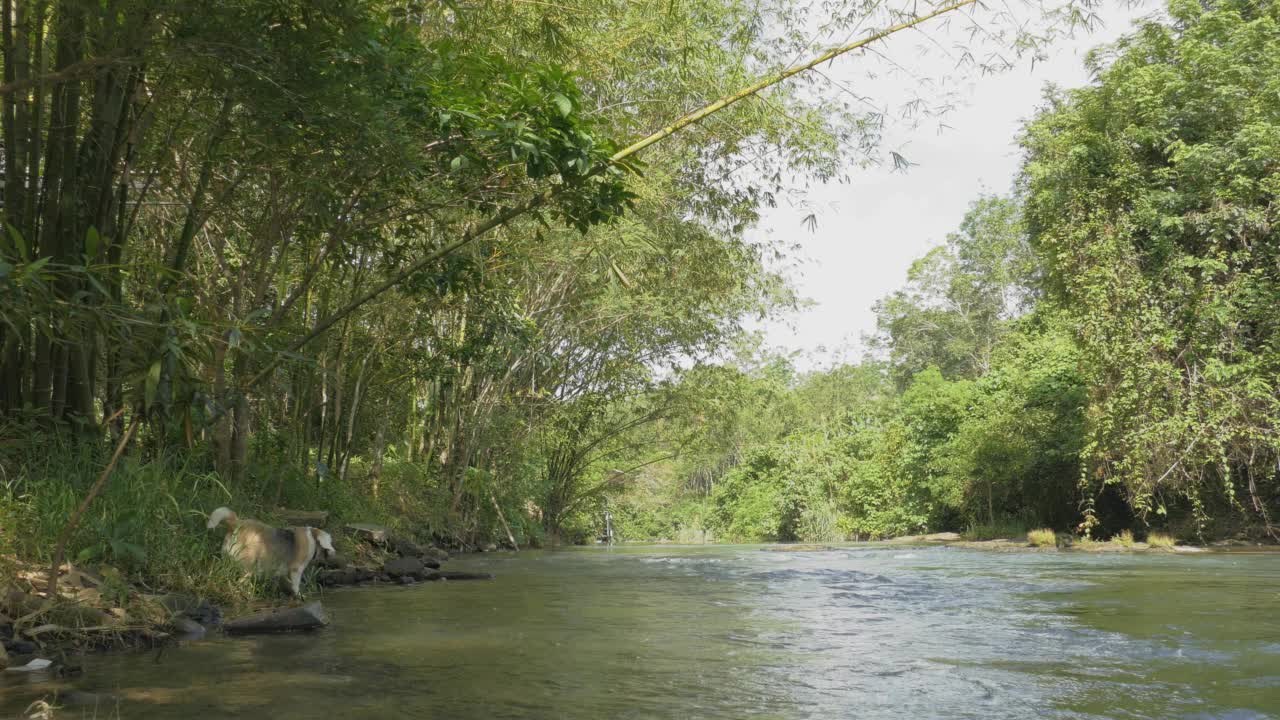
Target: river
743,632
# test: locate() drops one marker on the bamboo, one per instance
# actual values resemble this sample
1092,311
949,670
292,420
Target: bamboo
505,216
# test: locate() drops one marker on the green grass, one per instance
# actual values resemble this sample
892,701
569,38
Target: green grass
1160,541
149,522
1124,538
1044,537
1001,529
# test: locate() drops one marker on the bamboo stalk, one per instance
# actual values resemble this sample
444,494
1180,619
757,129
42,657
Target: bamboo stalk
505,216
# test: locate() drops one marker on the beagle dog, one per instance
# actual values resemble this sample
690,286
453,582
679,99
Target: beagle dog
278,552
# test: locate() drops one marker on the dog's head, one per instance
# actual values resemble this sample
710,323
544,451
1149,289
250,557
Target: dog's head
324,543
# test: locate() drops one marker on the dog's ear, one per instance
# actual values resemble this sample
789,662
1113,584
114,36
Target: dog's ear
324,540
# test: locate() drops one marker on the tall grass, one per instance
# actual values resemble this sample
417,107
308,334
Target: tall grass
1002,528
1160,541
149,521
1044,537
820,522
1124,538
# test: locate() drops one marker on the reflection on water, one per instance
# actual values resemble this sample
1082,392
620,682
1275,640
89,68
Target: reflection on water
733,632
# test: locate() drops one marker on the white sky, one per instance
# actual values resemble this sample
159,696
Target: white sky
871,229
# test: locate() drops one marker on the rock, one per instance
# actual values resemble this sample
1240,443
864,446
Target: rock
307,617
33,666
434,554
428,563
4,658
456,575
334,561
342,576
404,567
193,608
489,547
187,628
403,547
375,534
407,580
309,518
21,647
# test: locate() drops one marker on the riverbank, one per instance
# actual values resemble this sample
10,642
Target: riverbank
1064,543
94,609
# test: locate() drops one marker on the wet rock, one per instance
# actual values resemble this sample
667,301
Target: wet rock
307,617
334,561
186,628
404,567
407,580
429,563
370,533
433,554
4,658
342,576
21,647
192,608
33,666
404,547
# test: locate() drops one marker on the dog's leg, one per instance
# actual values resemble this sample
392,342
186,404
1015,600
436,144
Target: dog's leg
295,581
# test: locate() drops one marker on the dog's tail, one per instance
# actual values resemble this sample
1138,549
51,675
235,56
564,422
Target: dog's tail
221,514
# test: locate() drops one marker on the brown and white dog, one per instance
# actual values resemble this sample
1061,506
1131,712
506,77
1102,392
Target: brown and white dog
279,552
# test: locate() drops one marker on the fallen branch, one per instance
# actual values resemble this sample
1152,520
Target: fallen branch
503,519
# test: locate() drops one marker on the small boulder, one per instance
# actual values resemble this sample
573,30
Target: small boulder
192,608
434,554
35,665
334,561
370,533
307,617
404,547
186,628
404,567
343,576
21,647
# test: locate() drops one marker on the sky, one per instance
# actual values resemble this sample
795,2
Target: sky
870,229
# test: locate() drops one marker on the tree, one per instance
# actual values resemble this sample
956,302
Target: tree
1152,197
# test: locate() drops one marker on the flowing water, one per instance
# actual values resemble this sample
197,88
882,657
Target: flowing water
743,632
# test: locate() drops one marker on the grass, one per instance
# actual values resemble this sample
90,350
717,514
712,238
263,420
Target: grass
1044,537
1085,543
149,522
1124,538
1161,541
1001,529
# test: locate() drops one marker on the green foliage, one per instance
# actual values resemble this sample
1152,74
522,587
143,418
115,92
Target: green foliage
1152,198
